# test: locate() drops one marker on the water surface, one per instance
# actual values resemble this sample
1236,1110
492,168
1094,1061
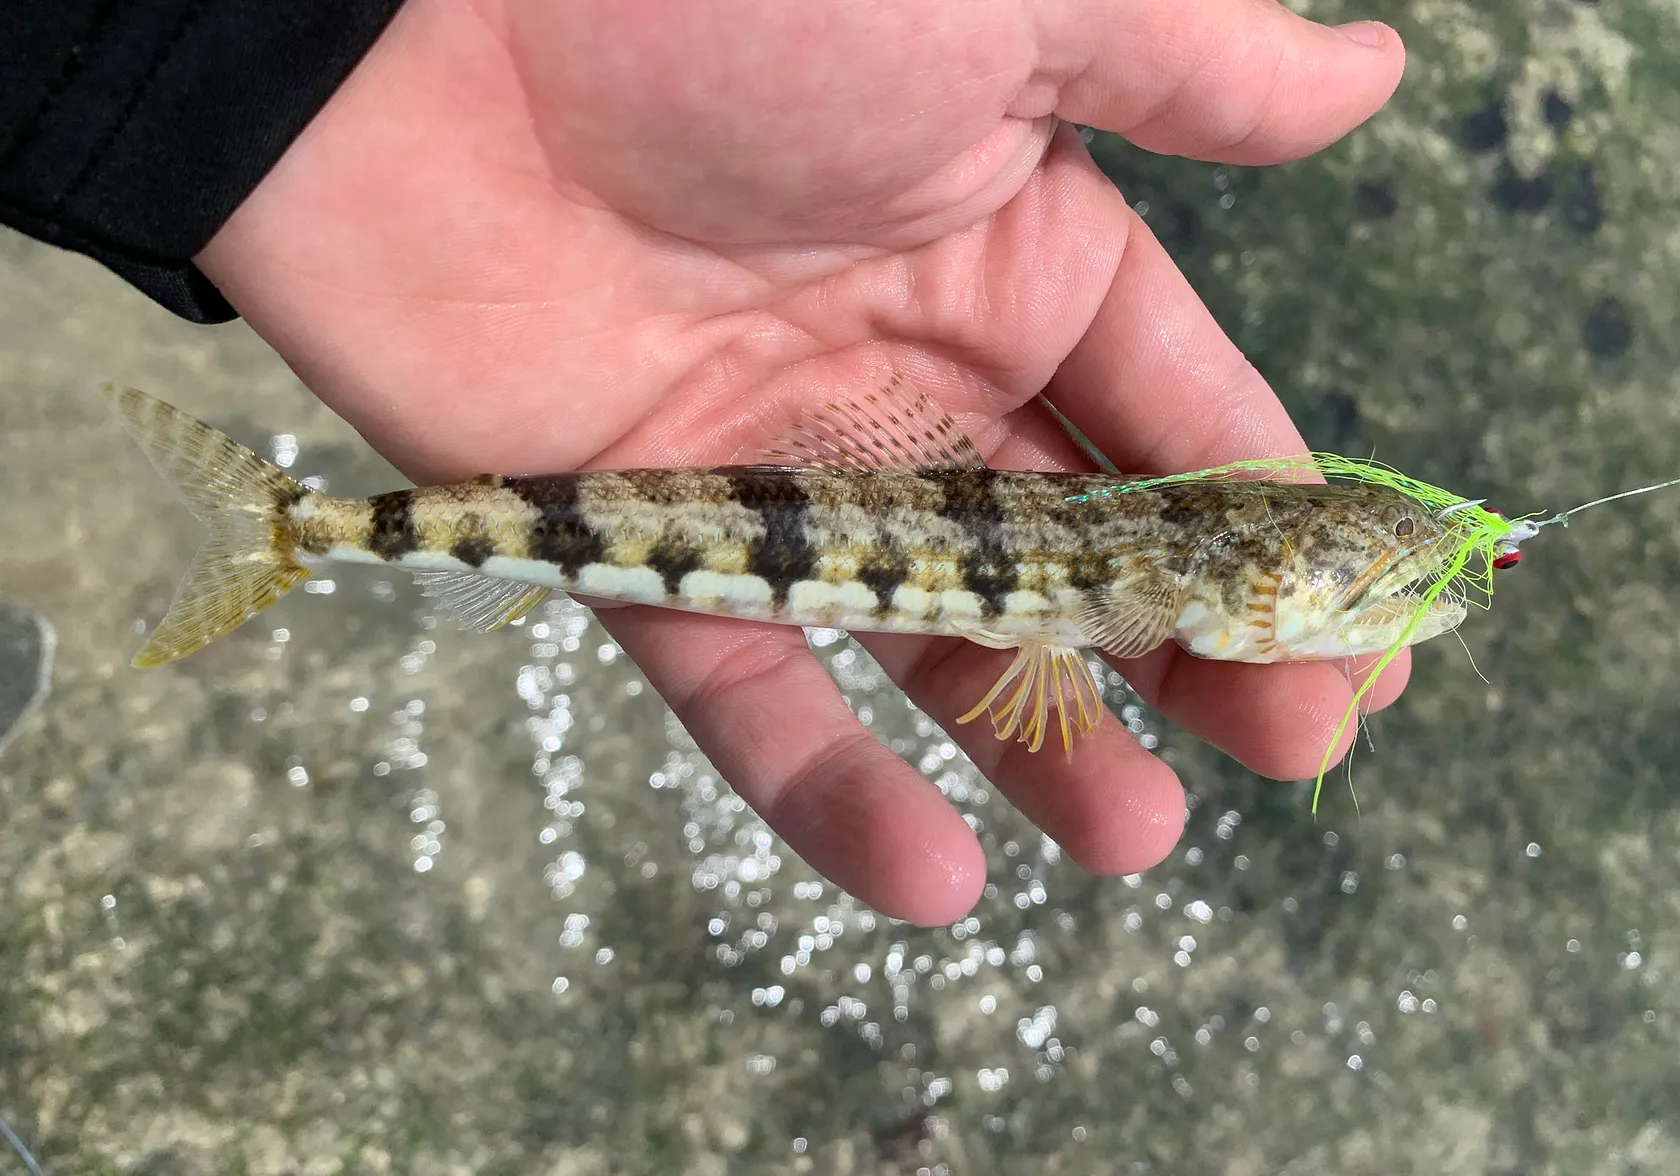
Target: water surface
350,892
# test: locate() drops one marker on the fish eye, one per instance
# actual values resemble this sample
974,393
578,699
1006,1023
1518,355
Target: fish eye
1405,527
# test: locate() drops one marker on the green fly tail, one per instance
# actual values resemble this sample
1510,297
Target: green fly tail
246,562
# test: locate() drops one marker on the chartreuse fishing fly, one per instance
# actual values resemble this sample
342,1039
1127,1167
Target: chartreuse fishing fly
1455,546
877,515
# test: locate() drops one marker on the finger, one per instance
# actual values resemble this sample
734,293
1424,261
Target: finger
1388,687
1276,720
1158,387
772,722
1156,384
1114,807
1241,81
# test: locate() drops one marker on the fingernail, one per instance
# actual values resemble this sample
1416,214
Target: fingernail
1369,33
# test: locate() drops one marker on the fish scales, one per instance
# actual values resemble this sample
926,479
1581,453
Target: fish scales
896,550
939,553
890,522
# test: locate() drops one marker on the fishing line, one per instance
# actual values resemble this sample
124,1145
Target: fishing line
1523,530
11,1137
1563,516
1474,668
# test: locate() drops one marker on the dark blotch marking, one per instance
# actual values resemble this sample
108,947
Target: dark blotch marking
1088,570
1555,109
1515,193
289,496
673,561
1485,129
882,573
393,525
1607,330
561,536
310,536
782,556
1375,200
473,550
1183,506
986,568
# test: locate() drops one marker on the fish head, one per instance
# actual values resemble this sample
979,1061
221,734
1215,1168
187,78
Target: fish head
1356,581
1333,572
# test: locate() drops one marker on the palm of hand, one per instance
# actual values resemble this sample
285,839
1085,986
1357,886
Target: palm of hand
530,237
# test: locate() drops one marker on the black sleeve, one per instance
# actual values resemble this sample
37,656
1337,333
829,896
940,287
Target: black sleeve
131,129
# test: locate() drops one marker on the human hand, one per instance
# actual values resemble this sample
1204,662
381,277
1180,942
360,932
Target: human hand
530,236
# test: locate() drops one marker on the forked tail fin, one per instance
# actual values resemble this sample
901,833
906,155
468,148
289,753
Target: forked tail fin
246,562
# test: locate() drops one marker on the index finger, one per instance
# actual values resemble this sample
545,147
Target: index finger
1156,384
1159,388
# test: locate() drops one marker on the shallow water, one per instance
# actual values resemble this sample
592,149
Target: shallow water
353,893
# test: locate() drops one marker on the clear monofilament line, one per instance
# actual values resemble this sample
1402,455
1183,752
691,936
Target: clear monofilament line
23,1152
1526,529
1563,517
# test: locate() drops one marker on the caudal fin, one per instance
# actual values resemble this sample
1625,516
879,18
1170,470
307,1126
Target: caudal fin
246,562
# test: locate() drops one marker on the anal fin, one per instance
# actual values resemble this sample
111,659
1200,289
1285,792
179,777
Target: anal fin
1042,678
479,602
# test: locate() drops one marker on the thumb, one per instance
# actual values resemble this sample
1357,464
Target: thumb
1238,81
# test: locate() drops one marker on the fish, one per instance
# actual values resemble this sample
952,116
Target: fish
876,515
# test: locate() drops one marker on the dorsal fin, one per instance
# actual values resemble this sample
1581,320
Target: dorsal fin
893,428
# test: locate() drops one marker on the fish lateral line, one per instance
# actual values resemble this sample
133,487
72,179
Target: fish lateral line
876,514
267,532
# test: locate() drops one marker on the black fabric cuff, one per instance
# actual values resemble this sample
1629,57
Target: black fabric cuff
131,129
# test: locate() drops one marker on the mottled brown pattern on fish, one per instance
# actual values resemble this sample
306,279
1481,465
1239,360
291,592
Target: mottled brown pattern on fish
1020,524
987,532
471,521
559,533
1046,563
477,519
318,522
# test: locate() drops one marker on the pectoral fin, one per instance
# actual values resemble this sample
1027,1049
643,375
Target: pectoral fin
1130,617
1042,678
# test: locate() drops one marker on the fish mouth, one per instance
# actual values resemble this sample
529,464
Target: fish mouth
1397,591
1393,614
1387,617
